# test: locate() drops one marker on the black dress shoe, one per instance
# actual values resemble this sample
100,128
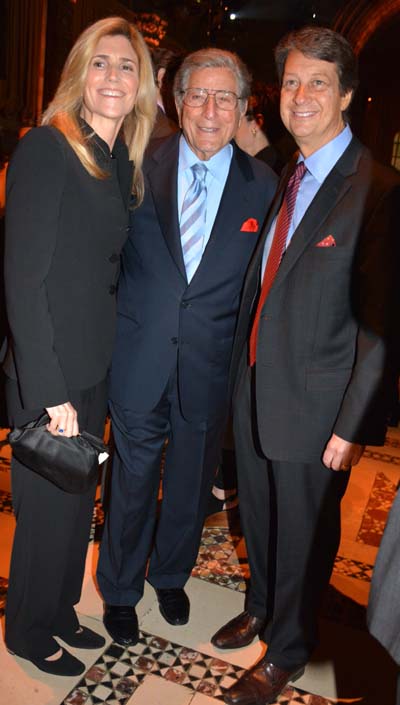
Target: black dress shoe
174,605
239,632
66,665
84,638
261,685
122,624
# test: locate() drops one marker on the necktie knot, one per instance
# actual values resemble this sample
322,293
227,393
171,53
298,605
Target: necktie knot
199,172
296,177
300,169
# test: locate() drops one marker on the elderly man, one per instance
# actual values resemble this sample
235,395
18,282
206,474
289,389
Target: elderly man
311,375
182,274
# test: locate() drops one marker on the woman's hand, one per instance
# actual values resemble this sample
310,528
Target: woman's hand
63,419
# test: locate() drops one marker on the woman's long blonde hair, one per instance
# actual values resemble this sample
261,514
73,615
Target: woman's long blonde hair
64,110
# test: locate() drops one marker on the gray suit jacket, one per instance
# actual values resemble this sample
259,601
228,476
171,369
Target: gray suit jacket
383,613
322,355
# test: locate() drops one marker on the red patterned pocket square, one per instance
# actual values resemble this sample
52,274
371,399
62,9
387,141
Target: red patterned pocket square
249,226
328,241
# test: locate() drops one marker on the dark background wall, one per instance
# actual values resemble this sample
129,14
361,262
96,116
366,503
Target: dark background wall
378,120
191,24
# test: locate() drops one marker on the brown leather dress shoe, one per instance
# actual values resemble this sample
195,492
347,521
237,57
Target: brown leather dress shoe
239,632
261,685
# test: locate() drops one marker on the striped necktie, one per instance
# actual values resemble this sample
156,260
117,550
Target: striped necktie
193,220
277,249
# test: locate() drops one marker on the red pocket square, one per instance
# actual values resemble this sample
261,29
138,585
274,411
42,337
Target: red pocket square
328,241
249,226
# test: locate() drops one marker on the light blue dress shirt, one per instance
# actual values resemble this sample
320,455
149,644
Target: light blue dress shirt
318,164
218,167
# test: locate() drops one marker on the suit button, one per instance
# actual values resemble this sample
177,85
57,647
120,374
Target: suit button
174,340
112,289
186,304
114,257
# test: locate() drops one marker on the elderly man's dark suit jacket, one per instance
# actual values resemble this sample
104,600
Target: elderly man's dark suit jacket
322,345
163,321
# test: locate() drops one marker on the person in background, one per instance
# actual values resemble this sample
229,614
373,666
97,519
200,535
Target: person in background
182,274
312,358
262,132
383,613
69,187
166,62
224,494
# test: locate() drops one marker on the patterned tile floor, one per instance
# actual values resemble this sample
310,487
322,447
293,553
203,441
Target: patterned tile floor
376,511
119,671
163,669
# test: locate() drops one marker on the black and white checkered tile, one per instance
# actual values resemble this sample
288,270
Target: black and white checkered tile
119,671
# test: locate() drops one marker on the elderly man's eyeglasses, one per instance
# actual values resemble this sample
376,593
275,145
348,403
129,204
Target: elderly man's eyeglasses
196,97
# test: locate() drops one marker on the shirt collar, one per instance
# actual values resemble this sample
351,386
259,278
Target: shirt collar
217,164
103,150
321,162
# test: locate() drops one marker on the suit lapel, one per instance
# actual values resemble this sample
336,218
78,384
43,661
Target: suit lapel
233,193
163,179
329,195
255,264
331,192
231,209
327,198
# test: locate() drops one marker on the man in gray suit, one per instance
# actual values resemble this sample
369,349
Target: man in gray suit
310,388
383,613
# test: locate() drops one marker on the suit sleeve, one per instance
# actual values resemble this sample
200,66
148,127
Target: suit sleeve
363,413
35,186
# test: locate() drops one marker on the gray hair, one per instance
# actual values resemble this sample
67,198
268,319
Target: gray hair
324,44
211,58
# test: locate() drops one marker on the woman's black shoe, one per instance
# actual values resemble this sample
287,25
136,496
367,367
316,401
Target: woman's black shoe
85,638
215,505
66,665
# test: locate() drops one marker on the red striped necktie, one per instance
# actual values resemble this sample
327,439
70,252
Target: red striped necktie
277,248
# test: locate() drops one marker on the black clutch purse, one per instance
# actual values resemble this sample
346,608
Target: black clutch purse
70,463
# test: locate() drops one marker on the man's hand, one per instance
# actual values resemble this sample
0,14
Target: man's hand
63,419
340,454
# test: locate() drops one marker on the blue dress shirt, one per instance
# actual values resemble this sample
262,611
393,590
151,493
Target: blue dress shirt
318,164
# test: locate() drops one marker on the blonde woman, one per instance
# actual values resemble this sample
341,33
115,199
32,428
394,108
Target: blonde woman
68,192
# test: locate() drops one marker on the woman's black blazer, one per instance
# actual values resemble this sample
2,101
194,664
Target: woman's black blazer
64,233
